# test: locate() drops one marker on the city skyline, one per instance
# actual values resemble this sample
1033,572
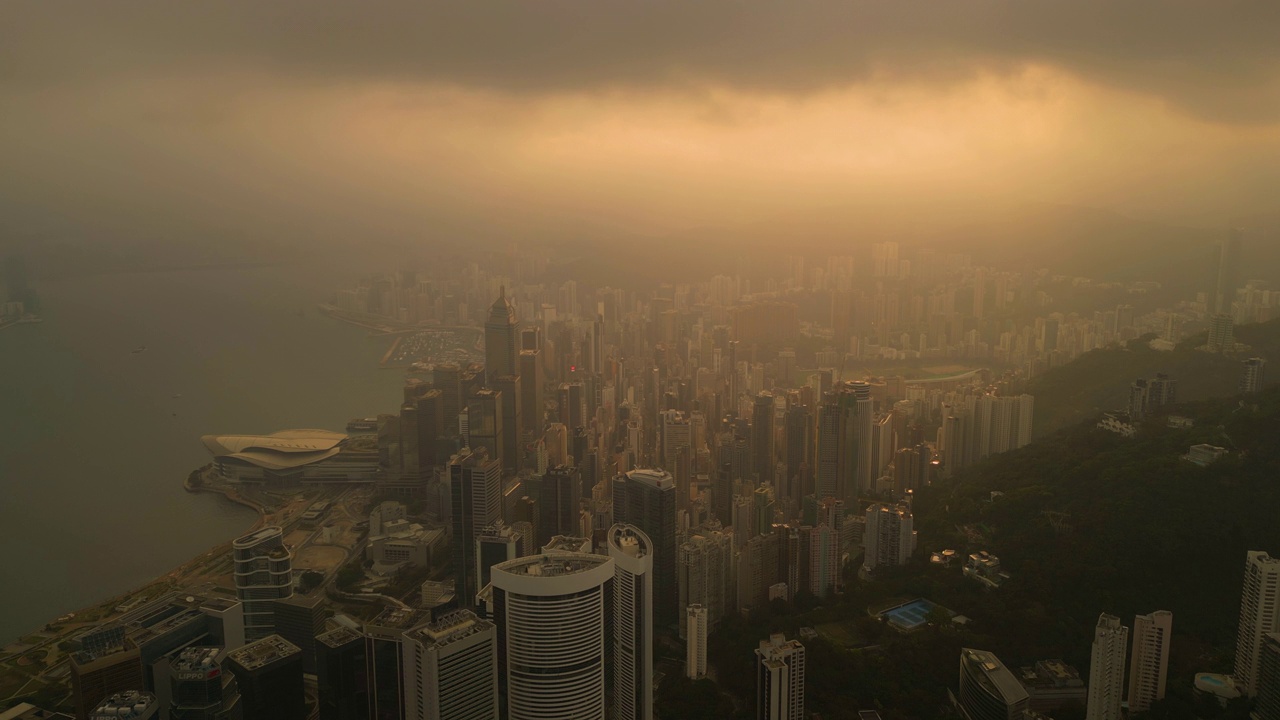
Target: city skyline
644,361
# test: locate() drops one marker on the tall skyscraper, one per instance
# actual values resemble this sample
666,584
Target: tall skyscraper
647,499
1251,378
385,662
484,423
559,502
196,685
762,437
342,675
495,544
695,644
988,690
1106,669
632,554
798,422
1149,663
501,344
547,672
269,675
1267,704
858,457
451,669
780,679
511,429
889,537
845,462
532,404
263,575
299,619
422,426
1228,268
828,470
1259,616
476,488
572,401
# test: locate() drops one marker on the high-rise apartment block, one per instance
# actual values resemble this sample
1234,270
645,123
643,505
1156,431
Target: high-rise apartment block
1149,661
780,679
1251,378
1266,706
695,660
1259,616
889,537
1106,669
706,564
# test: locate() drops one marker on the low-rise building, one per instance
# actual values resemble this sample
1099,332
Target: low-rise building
567,543
403,542
985,568
1050,684
1204,454
291,456
128,705
316,511
1119,423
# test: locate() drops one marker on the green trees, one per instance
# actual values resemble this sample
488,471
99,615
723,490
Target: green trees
310,580
349,575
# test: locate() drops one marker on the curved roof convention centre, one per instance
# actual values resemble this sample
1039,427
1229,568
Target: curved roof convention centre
277,451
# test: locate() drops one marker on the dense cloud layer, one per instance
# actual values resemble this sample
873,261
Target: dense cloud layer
1217,60
312,119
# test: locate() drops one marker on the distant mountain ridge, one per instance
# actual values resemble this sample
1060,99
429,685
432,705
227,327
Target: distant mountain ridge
1099,380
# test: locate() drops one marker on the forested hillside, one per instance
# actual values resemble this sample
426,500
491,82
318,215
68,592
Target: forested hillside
1099,380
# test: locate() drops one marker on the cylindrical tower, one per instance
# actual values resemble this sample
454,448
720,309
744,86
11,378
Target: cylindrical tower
263,574
551,615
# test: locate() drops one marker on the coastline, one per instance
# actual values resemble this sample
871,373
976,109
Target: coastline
169,576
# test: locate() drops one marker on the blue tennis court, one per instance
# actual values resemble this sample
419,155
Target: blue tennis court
909,616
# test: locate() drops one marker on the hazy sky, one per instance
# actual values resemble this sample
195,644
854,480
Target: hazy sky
353,119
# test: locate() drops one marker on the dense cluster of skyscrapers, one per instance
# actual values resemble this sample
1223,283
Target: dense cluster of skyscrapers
621,466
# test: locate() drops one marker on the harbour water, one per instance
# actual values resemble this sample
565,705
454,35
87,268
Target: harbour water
96,439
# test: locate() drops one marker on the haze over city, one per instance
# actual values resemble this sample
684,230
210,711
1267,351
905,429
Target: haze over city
332,121
649,360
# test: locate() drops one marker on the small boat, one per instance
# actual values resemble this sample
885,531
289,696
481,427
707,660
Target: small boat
139,349
177,395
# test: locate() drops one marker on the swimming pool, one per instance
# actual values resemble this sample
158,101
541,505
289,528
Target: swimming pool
910,615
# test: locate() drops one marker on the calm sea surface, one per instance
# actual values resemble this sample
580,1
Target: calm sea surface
95,440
